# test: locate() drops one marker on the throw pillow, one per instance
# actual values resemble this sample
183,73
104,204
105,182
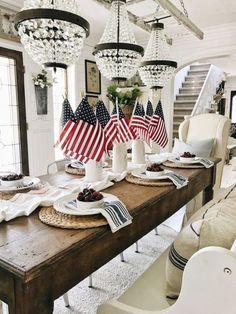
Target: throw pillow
201,148
207,227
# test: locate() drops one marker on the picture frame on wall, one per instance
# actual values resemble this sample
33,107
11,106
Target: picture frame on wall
92,78
92,100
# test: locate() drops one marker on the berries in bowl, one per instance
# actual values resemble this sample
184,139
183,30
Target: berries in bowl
187,157
89,198
12,180
154,170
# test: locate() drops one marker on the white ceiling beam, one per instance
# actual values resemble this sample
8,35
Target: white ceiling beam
132,17
180,17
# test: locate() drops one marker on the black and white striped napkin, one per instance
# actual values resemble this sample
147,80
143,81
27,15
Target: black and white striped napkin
205,162
116,215
178,180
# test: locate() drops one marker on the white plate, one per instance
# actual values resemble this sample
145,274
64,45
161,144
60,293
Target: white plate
28,182
62,206
144,175
194,161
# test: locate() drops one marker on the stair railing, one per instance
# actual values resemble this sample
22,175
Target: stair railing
205,98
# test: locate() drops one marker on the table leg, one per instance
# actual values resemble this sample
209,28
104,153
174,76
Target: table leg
208,193
34,297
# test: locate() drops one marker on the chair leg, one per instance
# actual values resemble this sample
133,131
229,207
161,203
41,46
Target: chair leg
90,281
156,231
5,309
122,257
66,300
136,247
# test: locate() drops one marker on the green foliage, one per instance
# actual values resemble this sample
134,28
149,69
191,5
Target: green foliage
126,98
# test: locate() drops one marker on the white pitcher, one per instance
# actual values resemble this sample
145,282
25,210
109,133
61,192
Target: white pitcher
138,152
119,160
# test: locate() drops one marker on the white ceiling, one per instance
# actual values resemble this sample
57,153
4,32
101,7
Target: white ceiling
204,13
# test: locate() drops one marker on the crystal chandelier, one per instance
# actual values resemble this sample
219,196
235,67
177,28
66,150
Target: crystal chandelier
51,31
117,54
156,68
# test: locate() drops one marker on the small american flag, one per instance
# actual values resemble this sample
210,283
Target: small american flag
149,112
137,122
107,124
157,128
125,134
85,139
67,113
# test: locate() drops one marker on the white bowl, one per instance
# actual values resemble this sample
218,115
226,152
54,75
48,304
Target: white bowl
12,183
89,205
155,173
186,159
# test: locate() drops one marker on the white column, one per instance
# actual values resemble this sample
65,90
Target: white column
138,152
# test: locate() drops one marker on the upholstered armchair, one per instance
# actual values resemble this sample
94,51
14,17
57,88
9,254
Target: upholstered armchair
203,127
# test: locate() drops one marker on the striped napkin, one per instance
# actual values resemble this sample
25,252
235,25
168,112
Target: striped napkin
205,162
178,180
115,213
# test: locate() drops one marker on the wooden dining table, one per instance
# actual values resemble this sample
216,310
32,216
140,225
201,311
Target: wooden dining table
39,263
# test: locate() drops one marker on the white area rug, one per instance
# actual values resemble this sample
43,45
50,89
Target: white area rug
115,277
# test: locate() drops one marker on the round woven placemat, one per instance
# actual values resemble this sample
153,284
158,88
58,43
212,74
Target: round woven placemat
76,171
132,179
50,216
172,164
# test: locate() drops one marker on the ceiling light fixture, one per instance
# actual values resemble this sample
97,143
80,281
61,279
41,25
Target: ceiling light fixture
117,54
156,67
51,31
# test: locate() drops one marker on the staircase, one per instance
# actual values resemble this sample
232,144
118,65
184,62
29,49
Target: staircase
188,94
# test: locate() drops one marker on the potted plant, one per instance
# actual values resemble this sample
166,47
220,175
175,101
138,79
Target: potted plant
126,99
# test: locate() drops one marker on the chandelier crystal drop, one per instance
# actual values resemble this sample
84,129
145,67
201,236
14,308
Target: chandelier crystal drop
51,31
117,54
156,67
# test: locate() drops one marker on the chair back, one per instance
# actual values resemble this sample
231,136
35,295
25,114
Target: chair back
57,165
208,126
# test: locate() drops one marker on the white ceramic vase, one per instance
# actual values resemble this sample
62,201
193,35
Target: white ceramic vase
138,152
119,160
93,171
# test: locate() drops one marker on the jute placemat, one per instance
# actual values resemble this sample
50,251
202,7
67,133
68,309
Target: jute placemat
50,216
76,171
132,179
172,164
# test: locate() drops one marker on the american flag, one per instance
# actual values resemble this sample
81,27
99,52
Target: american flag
157,128
149,112
85,139
137,122
124,132
107,124
66,113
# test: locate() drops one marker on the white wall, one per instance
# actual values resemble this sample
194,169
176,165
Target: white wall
77,74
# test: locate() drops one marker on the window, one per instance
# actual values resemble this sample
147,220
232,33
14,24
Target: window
13,135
